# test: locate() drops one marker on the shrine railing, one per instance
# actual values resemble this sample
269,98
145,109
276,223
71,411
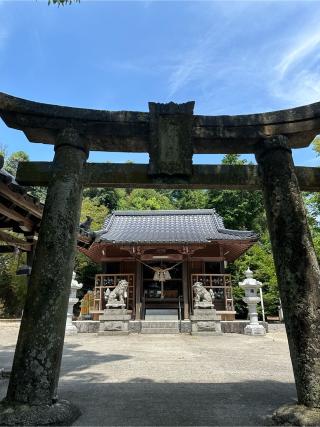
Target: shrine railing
221,287
110,281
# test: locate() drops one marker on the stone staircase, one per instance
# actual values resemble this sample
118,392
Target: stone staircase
160,327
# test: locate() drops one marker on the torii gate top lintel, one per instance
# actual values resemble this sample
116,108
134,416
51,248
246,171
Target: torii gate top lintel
131,130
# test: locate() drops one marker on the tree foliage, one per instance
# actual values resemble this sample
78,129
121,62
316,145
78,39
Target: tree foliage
140,199
92,208
11,166
13,288
189,199
11,162
239,209
108,197
260,260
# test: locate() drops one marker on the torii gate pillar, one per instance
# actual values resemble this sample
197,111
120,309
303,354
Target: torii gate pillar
171,134
297,271
36,365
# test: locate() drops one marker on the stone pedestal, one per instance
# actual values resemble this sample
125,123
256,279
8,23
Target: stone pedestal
205,322
296,415
114,321
255,329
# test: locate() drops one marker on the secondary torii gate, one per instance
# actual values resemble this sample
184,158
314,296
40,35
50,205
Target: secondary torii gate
171,134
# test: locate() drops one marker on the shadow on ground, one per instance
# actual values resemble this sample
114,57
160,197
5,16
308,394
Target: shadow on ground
6,356
73,361
141,402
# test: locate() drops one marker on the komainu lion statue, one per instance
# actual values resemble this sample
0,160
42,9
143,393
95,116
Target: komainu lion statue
202,297
117,297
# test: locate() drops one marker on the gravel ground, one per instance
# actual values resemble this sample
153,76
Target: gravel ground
170,379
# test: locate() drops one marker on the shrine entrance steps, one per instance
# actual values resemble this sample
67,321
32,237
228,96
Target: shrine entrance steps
160,321
160,327
161,314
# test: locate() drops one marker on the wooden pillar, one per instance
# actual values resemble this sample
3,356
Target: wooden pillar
138,289
37,359
30,254
221,252
185,290
296,264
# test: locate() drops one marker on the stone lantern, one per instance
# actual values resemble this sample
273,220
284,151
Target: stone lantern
70,328
251,287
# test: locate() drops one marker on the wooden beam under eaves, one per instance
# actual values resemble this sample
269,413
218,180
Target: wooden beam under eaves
15,241
23,221
21,201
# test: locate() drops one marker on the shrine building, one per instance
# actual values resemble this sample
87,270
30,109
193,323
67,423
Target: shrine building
162,254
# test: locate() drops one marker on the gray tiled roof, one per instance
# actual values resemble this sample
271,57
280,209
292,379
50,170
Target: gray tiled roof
176,226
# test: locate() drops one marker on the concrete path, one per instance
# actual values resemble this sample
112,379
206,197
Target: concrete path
176,380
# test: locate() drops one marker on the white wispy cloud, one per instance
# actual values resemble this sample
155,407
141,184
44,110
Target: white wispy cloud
306,46
199,63
295,76
303,87
284,67
188,69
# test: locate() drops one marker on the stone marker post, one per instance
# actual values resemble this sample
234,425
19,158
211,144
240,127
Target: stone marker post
296,264
37,359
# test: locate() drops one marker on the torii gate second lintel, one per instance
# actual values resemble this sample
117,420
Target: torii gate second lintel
171,134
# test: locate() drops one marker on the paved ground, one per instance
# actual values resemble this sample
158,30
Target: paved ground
166,380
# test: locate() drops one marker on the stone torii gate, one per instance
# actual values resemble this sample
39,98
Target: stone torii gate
171,134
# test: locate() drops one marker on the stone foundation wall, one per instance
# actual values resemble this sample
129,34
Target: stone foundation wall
185,326
236,326
135,326
86,326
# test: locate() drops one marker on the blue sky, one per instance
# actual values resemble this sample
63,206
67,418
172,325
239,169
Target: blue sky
230,57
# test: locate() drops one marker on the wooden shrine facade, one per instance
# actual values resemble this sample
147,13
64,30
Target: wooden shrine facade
162,254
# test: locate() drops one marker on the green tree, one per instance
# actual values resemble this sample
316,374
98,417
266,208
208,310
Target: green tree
11,162
3,150
11,166
108,197
92,208
140,199
312,203
13,288
189,199
85,268
260,260
239,209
